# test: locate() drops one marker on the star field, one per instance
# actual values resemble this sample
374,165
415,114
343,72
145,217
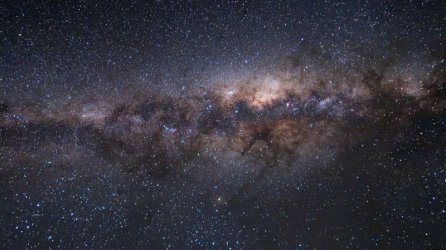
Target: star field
222,125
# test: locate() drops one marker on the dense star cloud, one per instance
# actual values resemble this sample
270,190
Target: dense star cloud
223,125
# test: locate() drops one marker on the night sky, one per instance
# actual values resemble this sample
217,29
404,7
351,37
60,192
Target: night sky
223,124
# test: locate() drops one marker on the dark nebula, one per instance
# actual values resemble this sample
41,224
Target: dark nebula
224,125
